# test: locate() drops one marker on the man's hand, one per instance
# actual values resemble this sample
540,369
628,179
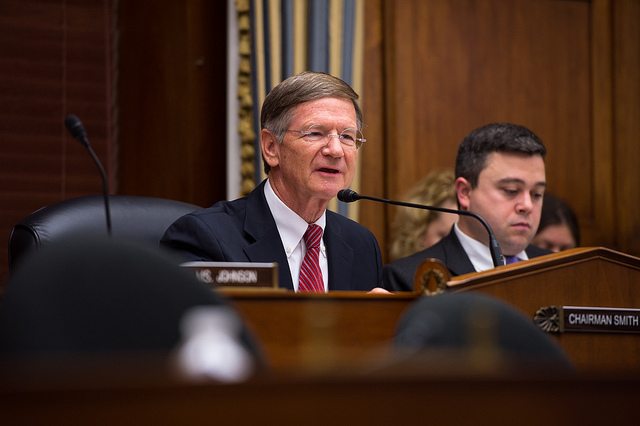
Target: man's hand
378,290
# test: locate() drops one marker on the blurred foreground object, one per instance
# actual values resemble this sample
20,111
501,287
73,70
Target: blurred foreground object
480,331
100,297
210,347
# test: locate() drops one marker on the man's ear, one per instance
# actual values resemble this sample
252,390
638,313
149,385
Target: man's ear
270,148
463,192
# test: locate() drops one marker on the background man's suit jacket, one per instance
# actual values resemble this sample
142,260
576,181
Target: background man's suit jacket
399,275
244,230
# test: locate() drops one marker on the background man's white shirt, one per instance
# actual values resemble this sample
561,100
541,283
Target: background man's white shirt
478,253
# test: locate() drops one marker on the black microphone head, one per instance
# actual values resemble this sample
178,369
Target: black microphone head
348,195
75,127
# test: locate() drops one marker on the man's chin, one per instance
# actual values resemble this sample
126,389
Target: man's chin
514,247
329,191
325,196
514,243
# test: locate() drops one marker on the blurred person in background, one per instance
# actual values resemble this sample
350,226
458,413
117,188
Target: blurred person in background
559,229
415,229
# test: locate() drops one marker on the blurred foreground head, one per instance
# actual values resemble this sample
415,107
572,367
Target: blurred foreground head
101,297
477,331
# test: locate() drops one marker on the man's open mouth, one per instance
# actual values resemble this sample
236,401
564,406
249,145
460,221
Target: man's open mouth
327,170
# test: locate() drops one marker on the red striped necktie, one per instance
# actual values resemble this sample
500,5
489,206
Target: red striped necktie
310,273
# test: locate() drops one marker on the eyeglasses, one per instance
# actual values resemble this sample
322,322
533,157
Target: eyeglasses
349,138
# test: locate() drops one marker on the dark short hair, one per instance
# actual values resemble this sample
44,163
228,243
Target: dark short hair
495,137
556,212
295,90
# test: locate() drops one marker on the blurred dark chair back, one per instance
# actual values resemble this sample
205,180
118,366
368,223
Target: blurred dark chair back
101,296
135,218
465,322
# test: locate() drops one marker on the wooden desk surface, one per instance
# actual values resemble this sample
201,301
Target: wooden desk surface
152,393
588,277
297,330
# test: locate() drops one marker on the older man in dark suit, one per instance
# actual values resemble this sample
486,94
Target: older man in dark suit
311,132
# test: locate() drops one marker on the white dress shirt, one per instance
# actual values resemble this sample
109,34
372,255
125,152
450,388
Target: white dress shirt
291,228
478,253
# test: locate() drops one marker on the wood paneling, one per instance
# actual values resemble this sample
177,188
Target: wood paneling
172,99
626,89
163,134
581,277
419,390
373,153
356,325
476,62
566,69
55,59
602,125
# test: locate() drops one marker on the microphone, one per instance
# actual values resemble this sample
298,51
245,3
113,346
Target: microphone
349,196
76,129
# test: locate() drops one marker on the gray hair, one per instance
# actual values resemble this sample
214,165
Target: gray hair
307,86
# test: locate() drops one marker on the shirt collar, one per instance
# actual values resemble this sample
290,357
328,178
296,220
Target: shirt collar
291,227
479,254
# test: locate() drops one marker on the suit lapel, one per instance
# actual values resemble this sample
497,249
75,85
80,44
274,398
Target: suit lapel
261,229
457,259
340,256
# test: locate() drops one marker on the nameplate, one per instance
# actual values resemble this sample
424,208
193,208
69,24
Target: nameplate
235,274
578,318
588,319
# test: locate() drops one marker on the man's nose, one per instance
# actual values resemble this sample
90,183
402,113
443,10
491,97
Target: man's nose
333,147
525,203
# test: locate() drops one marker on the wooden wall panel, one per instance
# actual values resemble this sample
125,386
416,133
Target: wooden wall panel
600,226
55,59
453,65
372,154
477,62
626,143
172,99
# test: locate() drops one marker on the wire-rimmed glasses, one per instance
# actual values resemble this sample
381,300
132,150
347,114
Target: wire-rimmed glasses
349,138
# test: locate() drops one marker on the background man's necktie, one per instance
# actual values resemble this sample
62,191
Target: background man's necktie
511,259
310,273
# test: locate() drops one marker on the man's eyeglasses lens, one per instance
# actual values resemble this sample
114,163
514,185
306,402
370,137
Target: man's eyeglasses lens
348,137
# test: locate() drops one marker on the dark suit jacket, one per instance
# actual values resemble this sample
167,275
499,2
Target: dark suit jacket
399,275
244,230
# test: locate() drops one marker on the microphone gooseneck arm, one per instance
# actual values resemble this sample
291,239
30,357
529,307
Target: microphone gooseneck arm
349,195
76,129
